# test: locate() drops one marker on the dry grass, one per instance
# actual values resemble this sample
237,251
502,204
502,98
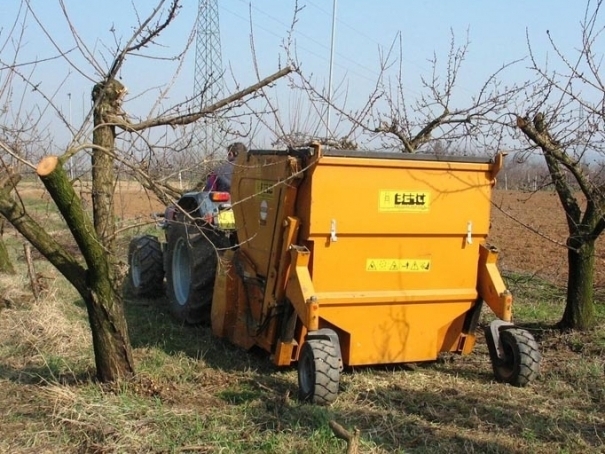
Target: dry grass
198,394
47,336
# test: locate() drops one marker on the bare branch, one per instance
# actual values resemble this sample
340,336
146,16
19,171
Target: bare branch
178,120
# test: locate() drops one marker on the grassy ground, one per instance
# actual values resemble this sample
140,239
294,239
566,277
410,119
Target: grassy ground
197,394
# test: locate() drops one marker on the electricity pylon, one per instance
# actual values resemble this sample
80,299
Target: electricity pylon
208,82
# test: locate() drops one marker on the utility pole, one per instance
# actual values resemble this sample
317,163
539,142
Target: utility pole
71,137
328,132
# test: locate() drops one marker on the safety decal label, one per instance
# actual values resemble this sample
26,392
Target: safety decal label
398,265
404,201
265,188
226,220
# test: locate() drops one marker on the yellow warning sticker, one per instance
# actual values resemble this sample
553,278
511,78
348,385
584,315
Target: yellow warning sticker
265,188
404,201
398,265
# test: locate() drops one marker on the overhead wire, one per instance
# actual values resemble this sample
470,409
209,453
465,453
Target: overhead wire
305,48
365,35
361,33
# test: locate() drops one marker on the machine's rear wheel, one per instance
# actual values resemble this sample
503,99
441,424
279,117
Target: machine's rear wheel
521,362
191,260
146,269
318,372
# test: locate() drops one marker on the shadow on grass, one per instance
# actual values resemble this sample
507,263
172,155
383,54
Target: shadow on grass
511,413
44,375
151,325
477,416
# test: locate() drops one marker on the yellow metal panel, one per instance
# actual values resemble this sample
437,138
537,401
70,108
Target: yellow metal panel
351,191
343,265
224,297
384,334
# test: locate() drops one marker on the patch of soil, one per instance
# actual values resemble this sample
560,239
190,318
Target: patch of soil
530,231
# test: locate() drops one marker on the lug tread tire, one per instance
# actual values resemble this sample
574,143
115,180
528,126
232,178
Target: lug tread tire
326,372
524,365
148,279
202,243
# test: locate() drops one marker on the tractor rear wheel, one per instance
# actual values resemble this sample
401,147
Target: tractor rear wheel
521,362
318,372
146,269
191,261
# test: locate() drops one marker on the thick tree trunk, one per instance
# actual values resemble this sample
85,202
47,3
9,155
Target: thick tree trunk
579,311
107,315
6,265
111,344
103,180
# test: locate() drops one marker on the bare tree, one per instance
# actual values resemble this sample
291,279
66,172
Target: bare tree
431,120
96,277
565,121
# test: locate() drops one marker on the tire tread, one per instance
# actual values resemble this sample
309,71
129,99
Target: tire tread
327,373
151,266
529,357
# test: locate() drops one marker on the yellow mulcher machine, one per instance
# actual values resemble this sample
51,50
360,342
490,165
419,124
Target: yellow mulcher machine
350,258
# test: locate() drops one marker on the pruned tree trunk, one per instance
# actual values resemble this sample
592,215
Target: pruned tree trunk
107,316
107,97
113,356
579,310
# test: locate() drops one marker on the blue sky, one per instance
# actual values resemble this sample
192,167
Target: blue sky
496,30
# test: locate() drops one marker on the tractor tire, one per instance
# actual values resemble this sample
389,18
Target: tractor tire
146,267
191,261
521,362
318,372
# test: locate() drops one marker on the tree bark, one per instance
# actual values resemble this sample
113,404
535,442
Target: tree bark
113,356
107,97
113,352
8,180
579,311
6,265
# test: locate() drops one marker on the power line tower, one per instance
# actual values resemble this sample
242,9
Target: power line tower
208,81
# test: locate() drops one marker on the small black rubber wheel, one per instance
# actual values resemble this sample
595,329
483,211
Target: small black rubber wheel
521,362
318,372
146,267
191,261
